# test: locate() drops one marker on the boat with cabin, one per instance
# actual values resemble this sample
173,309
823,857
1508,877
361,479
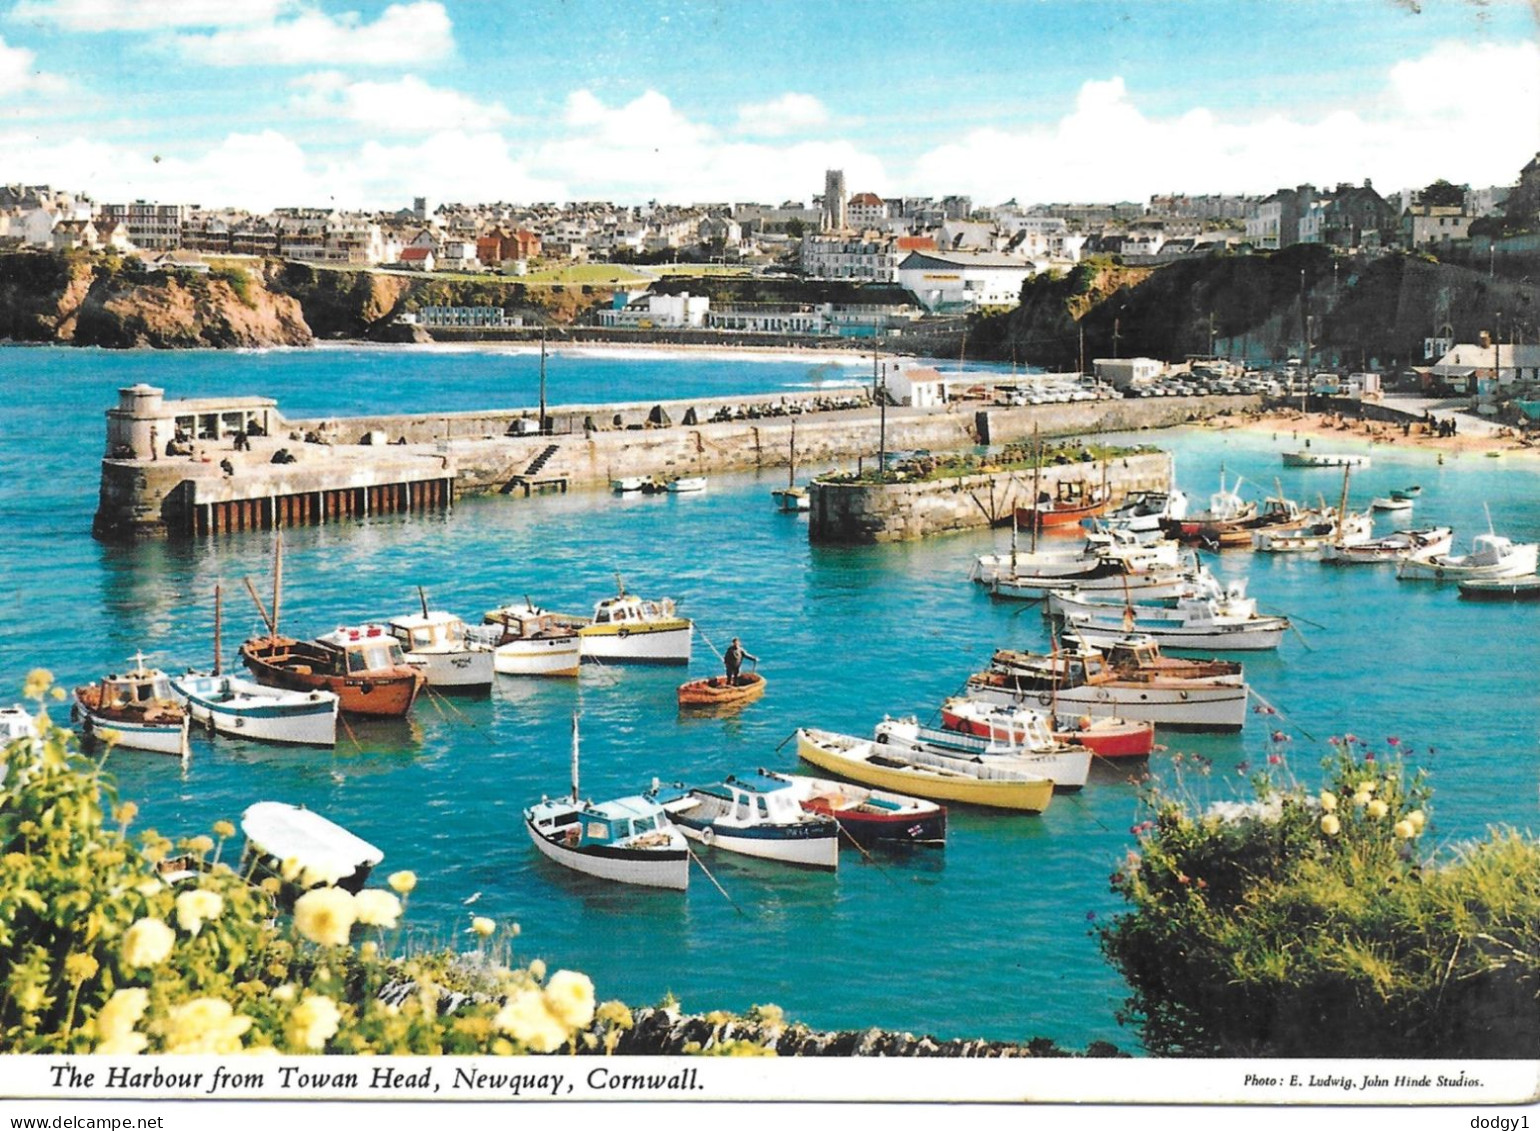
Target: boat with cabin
1222,622
869,817
1430,541
138,706
627,629
1074,501
885,767
1103,737
530,641
686,484
629,840
436,643
1491,556
1142,512
362,665
754,816
1032,753
1392,503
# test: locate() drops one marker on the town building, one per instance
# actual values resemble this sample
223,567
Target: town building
959,282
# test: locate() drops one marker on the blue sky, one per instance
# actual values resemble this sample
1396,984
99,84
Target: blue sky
257,103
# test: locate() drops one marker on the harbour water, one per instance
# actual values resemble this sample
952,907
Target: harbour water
990,937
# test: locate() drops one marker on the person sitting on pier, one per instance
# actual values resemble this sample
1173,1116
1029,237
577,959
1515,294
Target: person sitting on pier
732,660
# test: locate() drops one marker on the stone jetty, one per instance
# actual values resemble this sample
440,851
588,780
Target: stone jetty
189,468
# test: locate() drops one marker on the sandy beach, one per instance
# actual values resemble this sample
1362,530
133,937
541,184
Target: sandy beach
1474,435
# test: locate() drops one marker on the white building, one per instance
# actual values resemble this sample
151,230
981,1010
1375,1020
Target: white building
1127,372
960,281
656,312
871,257
917,386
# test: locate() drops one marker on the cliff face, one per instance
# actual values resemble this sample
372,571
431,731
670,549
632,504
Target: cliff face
49,298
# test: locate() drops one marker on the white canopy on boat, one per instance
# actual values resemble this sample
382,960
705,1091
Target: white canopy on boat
286,831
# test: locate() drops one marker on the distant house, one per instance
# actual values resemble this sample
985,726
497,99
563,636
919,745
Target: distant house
866,210
1431,225
956,282
1486,366
418,258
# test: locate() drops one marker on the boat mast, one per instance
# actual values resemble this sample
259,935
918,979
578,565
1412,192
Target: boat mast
217,604
575,794
1037,480
542,379
1347,471
791,471
277,584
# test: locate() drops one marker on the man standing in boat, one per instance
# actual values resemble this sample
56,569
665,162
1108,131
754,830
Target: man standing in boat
732,660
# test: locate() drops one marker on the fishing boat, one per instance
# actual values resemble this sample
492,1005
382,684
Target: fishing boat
1308,458
1032,754
869,817
1099,547
719,691
629,840
791,498
1104,738
529,641
16,722
1142,512
362,665
1128,679
1491,556
1226,511
436,644
686,484
1525,588
627,629
1394,547
1074,501
754,816
1407,492
138,706
1228,622
884,767
303,849
628,483
243,708
1111,576
1393,503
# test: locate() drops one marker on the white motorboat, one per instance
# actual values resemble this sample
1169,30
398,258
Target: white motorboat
627,629
869,816
628,483
436,644
1031,754
1141,512
629,840
1391,503
1433,540
1310,538
756,816
138,707
526,640
1491,555
244,708
686,484
1224,623
1110,577
1099,546
286,841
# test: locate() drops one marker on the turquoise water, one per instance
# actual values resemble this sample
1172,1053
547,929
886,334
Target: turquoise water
989,937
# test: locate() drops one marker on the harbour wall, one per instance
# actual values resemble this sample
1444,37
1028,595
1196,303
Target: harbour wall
862,513
308,471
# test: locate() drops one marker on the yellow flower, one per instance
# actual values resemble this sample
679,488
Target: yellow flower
202,845
1328,801
1361,798
327,874
527,1020
402,882
39,680
483,926
615,1013
312,1023
224,829
1404,829
325,916
1367,786
570,996
1417,819
1330,825
147,942
126,812
149,888
122,1044
1377,809
14,861
80,967
377,908
270,885
195,907
369,950
204,1025
537,970
122,1012
284,992
290,869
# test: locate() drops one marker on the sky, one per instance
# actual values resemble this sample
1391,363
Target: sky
362,104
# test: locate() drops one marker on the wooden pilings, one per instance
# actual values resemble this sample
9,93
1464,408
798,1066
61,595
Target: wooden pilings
316,508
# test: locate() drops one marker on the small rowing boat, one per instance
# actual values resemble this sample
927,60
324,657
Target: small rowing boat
719,691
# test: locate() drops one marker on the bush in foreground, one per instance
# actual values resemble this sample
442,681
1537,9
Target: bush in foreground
1315,924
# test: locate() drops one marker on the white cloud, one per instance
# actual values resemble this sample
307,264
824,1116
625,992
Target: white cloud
1465,112
148,15
404,34
17,75
406,105
787,114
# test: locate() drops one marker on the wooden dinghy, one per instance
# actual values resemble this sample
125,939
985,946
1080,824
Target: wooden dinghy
718,691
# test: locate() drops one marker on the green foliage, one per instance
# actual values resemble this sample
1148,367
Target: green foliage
1312,925
238,280
101,950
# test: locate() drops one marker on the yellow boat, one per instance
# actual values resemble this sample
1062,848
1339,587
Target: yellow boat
873,764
